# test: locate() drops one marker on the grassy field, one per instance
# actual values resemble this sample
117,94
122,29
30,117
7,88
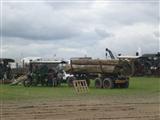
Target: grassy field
138,86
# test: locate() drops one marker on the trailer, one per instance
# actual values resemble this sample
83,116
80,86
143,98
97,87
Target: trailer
106,73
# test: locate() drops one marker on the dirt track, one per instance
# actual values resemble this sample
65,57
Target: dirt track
92,109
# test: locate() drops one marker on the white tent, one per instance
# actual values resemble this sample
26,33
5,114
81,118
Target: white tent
28,59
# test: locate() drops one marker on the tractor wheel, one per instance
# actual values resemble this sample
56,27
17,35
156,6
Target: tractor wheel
70,81
98,83
108,83
27,83
35,83
125,85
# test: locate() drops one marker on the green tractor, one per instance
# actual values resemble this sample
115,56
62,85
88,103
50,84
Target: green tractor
44,73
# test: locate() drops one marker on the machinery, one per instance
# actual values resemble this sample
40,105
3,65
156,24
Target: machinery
106,73
44,73
144,65
110,53
5,70
147,64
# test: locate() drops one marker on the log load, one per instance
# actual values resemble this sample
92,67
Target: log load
94,62
120,67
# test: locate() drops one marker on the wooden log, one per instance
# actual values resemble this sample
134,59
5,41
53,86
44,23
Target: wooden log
94,62
99,66
91,68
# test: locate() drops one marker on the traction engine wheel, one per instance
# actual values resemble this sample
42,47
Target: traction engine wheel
27,83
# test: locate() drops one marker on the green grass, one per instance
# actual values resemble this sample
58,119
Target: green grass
138,86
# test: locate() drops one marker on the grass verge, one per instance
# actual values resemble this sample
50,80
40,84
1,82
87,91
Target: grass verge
138,86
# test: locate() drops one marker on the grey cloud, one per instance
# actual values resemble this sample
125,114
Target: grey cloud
103,33
37,22
44,29
30,23
43,33
128,14
156,34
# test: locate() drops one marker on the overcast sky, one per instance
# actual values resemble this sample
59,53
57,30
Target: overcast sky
82,28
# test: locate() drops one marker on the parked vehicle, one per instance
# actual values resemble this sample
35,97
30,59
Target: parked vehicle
44,73
106,73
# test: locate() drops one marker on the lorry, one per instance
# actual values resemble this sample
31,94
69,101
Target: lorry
106,73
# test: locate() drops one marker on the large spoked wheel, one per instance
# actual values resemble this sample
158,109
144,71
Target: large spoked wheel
70,81
108,83
27,83
98,83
